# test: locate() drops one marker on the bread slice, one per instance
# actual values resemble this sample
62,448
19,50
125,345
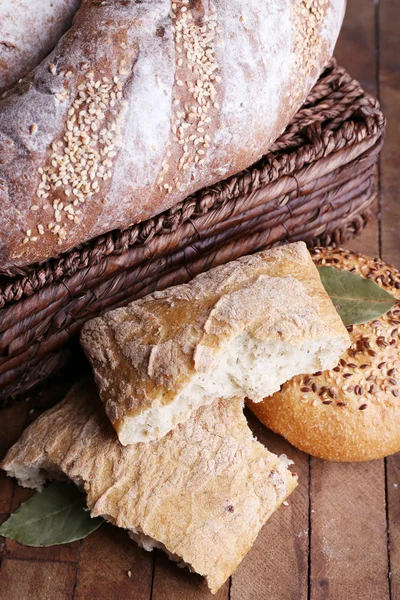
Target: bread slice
202,493
351,413
242,329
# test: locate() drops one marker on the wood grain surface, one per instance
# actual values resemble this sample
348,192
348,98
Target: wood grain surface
389,93
339,536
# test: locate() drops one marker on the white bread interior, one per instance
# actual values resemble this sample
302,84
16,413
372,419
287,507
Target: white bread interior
351,413
241,329
247,368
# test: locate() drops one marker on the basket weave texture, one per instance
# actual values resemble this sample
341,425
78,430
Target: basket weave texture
316,184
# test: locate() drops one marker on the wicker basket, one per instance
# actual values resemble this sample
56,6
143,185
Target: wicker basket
316,184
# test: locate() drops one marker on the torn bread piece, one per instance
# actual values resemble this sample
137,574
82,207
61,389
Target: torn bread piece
241,329
350,413
201,493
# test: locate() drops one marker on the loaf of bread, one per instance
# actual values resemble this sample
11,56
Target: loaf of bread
350,413
29,30
242,329
141,104
201,494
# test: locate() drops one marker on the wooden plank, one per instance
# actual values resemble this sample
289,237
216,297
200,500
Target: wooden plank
111,565
356,47
63,553
348,531
32,580
368,240
6,490
393,499
349,556
356,51
3,517
12,423
277,565
172,583
389,78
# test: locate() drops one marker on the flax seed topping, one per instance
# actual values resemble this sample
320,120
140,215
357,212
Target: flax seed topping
351,412
372,362
373,381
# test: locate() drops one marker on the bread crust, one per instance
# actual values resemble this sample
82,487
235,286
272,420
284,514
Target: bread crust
204,491
351,413
156,105
146,354
29,31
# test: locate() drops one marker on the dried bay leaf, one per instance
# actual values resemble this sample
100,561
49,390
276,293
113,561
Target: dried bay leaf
58,515
356,299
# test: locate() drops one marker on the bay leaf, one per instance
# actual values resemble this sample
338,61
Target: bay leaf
357,300
58,515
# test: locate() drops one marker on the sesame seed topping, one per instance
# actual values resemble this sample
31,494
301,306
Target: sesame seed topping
75,164
196,71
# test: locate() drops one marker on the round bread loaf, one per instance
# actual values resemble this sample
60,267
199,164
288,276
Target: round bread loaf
29,31
350,413
141,104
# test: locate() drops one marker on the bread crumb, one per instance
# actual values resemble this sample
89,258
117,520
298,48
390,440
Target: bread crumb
287,461
285,503
129,573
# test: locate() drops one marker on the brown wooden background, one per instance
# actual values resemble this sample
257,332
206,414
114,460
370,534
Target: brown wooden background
339,538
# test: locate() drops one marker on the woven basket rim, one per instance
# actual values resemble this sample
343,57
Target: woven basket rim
288,154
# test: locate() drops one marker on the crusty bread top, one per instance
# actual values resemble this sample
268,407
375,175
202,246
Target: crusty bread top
141,104
350,413
203,491
143,355
29,30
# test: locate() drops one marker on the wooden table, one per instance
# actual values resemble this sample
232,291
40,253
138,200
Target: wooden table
339,538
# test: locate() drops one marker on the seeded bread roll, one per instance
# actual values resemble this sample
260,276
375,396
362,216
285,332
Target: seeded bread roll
350,413
29,31
201,494
141,104
237,330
